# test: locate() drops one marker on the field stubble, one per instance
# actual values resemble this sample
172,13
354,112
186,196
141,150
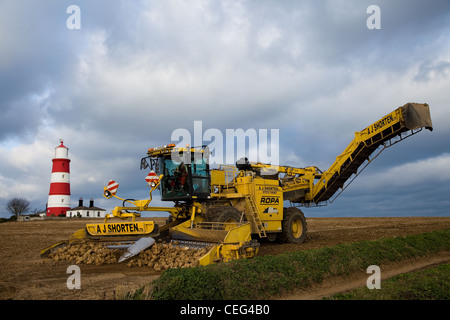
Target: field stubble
25,275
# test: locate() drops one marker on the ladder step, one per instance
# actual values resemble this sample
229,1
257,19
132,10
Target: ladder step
254,216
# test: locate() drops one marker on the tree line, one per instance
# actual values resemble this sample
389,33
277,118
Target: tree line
18,206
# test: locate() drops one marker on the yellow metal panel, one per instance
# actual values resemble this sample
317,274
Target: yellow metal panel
120,228
273,226
269,201
211,257
218,177
232,195
240,233
385,122
228,239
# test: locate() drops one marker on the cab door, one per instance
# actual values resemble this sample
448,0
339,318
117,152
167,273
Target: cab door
200,177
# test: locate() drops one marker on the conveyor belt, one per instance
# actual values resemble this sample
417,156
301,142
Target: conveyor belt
367,144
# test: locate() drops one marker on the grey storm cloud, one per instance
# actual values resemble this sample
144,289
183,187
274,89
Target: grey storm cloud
136,71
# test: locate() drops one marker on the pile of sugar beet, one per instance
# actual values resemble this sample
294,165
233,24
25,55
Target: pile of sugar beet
159,256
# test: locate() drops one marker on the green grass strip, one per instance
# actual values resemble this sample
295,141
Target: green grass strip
429,284
268,276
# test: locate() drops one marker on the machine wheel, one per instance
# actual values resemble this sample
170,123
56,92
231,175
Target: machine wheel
294,226
225,214
272,237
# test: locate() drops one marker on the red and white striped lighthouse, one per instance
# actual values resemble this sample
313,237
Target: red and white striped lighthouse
59,195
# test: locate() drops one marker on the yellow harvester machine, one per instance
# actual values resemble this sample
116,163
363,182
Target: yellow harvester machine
228,208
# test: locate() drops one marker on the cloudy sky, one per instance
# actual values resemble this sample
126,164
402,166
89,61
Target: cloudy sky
137,70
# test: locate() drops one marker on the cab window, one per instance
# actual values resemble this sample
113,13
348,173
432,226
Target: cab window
175,182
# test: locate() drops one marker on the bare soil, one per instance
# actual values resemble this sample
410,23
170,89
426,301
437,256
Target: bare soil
24,274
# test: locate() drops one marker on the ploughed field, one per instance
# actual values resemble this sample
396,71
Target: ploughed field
24,274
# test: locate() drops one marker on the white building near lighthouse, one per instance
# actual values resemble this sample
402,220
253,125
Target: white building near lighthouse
86,212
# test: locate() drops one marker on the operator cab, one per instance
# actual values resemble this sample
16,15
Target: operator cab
186,175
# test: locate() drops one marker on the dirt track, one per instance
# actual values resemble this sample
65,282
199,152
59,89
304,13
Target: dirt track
25,275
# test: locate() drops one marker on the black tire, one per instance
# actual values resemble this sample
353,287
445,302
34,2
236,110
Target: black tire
224,214
294,226
272,237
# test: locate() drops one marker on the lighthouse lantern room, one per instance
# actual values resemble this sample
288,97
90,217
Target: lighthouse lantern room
59,195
